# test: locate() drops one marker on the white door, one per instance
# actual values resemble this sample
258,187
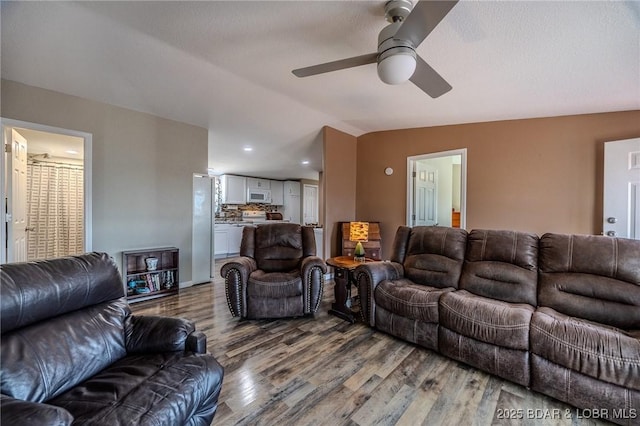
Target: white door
310,202
425,201
621,201
201,266
17,199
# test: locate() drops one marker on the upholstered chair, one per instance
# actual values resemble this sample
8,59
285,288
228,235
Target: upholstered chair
486,322
277,275
400,297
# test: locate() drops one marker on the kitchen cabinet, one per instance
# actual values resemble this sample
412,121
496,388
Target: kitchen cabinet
234,236
258,183
291,205
220,240
319,237
227,239
234,189
292,187
277,192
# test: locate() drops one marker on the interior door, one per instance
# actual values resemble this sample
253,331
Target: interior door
621,200
310,214
425,205
17,199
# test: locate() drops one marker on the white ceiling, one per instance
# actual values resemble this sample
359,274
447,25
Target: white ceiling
227,66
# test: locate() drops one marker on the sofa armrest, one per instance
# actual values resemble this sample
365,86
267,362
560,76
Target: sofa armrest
18,412
146,334
310,262
236,275
368,276
196,342
312,270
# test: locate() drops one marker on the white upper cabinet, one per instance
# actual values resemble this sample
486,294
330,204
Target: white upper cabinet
258,183
234,189
277,192
292,188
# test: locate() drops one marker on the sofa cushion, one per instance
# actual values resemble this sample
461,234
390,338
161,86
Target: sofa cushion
28,289
487,320
434,256
407,299
602,352
150,389
501,265
43,360
591,277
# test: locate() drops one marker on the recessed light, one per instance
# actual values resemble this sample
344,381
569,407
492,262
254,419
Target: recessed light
248,149
71,151
305,162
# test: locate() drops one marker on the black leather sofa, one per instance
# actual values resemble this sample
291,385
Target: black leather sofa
73,353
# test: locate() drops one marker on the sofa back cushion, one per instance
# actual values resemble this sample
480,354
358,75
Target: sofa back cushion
501,265
279,246
33,291
431,255
592,277
62,322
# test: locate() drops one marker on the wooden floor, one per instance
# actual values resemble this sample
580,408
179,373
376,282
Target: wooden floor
325,371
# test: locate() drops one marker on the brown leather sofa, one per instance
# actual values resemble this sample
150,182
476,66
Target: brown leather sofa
72,352
559,314
277,275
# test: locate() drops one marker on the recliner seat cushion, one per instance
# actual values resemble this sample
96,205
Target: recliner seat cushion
404,298
150,389
491,321
599,351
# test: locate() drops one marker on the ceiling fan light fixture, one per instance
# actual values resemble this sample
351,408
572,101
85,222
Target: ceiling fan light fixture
397,65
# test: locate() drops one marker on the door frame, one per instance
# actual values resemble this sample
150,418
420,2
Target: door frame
462,152
7,123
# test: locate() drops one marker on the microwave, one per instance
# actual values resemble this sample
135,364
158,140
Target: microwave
256,195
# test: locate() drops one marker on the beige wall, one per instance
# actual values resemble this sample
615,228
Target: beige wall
142,168
338,186
537,175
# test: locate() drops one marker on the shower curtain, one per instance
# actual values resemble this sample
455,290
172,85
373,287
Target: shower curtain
55,202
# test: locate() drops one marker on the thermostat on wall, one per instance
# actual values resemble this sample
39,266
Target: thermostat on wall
388,171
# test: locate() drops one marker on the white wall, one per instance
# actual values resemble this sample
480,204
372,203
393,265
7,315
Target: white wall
143,168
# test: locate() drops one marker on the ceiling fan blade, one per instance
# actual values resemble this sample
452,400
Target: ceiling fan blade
356,61
428,79
424,17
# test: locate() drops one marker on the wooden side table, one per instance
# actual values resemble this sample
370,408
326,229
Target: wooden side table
343,277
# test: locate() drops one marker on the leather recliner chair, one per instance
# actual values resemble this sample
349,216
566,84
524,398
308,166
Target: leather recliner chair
277,275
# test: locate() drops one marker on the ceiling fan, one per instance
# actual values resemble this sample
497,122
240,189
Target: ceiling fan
396,56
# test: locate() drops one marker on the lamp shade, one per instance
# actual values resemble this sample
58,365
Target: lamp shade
397,68
358,231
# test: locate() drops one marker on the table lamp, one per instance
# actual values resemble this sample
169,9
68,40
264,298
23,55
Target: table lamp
358,232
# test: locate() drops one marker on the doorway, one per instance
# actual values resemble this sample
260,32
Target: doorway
436,189
310,204
621,198
45,187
